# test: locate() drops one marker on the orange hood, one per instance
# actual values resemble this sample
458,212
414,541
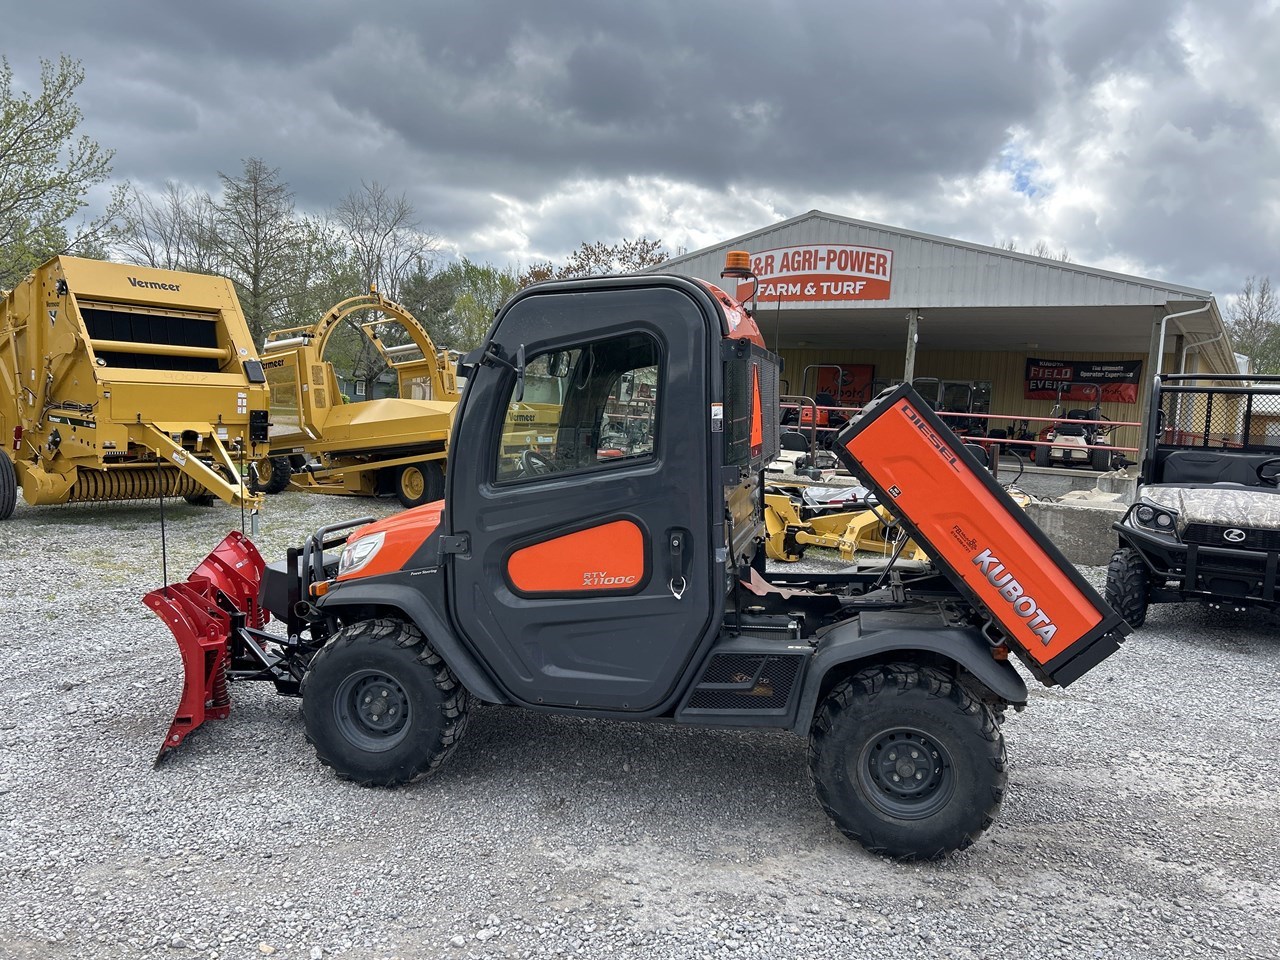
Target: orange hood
402,533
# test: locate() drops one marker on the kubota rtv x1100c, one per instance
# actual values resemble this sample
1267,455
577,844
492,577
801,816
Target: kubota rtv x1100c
630,584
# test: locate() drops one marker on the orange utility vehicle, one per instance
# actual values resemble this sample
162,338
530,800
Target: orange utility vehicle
634,586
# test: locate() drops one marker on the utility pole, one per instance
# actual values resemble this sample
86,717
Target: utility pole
913,335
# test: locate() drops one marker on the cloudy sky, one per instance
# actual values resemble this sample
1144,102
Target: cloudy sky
1143,136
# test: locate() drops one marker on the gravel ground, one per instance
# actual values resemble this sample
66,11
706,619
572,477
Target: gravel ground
1139,822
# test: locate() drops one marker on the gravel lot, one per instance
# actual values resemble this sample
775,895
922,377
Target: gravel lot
1140,817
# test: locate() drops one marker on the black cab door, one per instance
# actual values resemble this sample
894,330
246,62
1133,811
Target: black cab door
581,476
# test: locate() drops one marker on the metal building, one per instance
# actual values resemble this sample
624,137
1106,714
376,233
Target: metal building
868,298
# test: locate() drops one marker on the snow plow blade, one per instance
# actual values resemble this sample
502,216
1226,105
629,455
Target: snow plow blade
203,613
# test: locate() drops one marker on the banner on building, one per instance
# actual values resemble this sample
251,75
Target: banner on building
1119,380
820,271
848,384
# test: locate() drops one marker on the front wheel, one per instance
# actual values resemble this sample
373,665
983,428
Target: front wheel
8,486
419,483
907,762
381,707
273,475
1128,587
1100,460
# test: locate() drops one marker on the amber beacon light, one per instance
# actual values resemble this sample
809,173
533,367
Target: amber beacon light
737,263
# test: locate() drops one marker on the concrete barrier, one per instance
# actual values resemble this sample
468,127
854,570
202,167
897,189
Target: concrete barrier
1081,529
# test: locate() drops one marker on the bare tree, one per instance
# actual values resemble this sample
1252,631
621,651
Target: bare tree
257,232
389,247
175,231
384,235
597,259
1040,249
1253,320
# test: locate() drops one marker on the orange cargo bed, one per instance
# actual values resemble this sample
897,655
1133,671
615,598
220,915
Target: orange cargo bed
973,531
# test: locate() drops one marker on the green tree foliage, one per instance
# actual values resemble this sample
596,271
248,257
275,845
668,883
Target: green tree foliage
46,171
1253,320
429,295
598,259
480,290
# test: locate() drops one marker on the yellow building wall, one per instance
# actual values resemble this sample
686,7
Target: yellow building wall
1006,371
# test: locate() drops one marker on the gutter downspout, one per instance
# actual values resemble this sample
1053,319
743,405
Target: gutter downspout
1164,322
1188,347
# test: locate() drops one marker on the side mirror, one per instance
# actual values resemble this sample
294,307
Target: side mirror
626,388
559,364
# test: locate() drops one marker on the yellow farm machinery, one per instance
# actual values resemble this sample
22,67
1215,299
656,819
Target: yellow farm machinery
120,382
323,444
796,519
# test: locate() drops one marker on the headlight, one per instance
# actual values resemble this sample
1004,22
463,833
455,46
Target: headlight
359,553
1155,518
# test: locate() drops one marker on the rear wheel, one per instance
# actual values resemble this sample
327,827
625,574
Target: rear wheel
907,762
8,486
273,474
1129,586
200,499
381,707
419,483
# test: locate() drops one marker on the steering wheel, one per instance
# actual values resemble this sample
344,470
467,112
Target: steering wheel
534,464
1269,472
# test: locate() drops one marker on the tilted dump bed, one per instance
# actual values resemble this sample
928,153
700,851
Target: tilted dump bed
975,534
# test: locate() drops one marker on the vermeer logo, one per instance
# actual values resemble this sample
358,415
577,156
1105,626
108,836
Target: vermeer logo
153,285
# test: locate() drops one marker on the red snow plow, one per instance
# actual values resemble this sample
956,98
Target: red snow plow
216,616
200,613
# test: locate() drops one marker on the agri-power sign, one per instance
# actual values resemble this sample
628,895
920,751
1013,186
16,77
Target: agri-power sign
821,271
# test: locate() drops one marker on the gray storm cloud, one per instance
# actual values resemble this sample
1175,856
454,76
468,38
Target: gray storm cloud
1141,136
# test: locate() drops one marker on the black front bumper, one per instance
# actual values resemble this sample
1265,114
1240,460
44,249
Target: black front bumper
1186,571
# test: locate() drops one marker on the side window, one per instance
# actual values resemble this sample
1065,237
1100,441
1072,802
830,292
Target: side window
583,408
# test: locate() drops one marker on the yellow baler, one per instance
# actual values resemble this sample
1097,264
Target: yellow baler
121,382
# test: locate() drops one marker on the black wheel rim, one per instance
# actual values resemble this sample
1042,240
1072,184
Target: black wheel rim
906,774
371,710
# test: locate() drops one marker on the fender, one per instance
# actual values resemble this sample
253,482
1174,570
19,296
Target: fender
872,635
413,603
